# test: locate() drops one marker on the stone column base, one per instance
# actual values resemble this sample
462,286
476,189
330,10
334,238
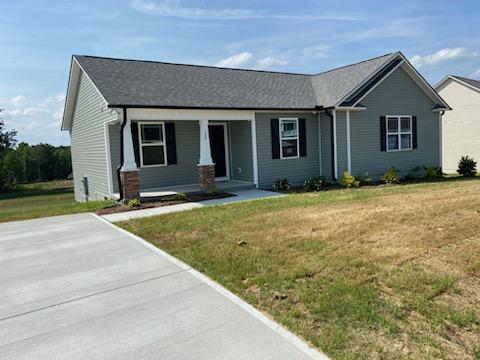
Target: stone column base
206,176
130,185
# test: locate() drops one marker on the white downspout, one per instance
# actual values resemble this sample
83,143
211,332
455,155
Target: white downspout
349,154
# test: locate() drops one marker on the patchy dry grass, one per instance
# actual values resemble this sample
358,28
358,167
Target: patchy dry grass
385,272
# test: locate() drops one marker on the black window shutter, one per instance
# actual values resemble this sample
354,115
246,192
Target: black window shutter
171,143
274,127
383,134
136,145
414,132
302,136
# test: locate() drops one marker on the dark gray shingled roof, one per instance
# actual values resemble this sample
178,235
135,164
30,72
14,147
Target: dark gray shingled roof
474,83
147,83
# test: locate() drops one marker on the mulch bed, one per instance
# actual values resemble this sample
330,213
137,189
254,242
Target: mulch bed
153,202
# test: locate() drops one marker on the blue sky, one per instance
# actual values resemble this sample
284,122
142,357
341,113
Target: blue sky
37,39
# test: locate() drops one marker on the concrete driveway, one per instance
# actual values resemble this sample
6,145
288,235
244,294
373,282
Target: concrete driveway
76,287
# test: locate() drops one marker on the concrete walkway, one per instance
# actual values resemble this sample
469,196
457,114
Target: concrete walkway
243,195
77,287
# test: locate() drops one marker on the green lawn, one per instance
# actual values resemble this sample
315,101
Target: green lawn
43,199
387,272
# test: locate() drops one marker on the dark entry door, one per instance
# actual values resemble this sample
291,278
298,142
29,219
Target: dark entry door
217,146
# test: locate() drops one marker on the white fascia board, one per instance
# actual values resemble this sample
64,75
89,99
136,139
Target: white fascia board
423,84
73,82
350,108
69,99
378,83
460,82
366,79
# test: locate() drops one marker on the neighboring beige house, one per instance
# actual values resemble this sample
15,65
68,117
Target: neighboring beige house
461,126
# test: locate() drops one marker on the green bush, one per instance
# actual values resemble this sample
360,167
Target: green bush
432,172
180,197
364,179
316,183
414,173
467,166
213,191
282,185
349,181
133,202
391,176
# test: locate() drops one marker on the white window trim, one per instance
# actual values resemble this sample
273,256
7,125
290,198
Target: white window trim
399,132
164,143
280,137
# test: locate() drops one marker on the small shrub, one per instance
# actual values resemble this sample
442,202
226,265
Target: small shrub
133,202
414,173
213,191
282,185
432,172
180,197
349,181
467,166
391,176
364,179
316,183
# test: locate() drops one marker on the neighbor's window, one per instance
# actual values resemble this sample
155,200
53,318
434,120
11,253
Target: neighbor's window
288,138
399,133
152,144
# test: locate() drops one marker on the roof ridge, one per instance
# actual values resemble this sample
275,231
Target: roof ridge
192,65
357,63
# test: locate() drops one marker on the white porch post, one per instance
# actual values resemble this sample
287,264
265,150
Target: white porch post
205,152
129,163
206,167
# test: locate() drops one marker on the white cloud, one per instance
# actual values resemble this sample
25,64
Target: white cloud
441,56
316,51
269,62
236,60
173,8
35,122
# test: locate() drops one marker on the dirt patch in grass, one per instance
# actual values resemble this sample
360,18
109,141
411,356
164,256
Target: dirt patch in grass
389,272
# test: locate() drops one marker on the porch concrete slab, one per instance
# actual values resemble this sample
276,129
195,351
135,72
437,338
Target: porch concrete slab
78,287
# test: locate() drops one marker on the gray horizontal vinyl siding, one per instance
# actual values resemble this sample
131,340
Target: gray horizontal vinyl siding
297,170
240,150
88,142
114,136
342,162
185,171
326,146
396,95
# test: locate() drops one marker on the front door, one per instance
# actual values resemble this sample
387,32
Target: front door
218,149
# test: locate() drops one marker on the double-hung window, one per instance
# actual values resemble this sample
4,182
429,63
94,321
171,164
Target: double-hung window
399,132
153,151
288,138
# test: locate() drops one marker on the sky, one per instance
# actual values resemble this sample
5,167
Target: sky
38,38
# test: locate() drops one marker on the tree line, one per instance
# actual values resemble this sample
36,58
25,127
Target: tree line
29,163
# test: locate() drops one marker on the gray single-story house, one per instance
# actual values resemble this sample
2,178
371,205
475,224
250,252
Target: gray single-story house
140,126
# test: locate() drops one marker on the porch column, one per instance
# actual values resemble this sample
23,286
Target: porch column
129,173
206,167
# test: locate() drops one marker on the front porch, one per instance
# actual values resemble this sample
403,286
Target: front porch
165,157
